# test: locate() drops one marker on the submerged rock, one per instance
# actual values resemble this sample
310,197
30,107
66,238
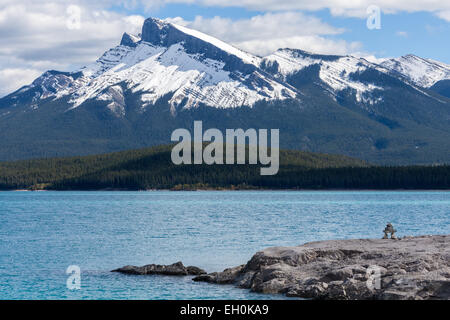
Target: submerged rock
412,268
176,269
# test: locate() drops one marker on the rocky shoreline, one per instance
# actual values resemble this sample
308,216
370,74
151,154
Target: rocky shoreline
411,268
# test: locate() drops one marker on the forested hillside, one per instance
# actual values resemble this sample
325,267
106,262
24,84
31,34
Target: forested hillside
152,168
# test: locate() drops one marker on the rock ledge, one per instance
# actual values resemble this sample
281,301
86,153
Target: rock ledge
411,268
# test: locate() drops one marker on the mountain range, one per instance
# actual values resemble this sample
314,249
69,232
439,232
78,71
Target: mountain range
396,111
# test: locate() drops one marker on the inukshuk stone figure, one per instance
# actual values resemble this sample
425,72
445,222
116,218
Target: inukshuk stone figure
389,229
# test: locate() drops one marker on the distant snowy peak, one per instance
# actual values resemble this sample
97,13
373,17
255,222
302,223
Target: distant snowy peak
422,72
335,71
48,85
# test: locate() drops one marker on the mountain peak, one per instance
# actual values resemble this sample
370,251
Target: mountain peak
410,55
155,31
162,33
129,40
292,51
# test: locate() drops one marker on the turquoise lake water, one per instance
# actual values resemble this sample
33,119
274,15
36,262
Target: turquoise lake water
42,233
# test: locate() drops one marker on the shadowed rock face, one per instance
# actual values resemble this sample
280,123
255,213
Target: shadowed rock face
128,40
176,269
411,268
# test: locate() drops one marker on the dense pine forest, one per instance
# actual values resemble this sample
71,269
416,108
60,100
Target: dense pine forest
152,168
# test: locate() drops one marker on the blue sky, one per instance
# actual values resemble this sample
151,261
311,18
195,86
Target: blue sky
35,35
420,33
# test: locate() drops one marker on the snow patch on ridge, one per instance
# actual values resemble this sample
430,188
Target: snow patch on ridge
115,96
335,71
289,62
422,72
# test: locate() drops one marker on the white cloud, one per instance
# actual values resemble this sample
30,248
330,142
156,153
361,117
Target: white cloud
35,37
403,34
263,26
263,34
444,15
352,8
13,78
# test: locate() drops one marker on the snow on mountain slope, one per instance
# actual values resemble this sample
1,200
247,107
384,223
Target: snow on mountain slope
155,71
169,59
422,72
248,58
335,71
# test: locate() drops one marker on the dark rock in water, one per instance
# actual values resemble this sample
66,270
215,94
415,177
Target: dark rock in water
412,268
176,269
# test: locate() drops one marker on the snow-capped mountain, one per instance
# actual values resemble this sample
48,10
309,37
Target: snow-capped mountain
422,72
167,77
197,69
168,59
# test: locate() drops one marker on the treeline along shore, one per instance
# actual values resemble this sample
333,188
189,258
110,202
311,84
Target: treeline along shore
152,168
